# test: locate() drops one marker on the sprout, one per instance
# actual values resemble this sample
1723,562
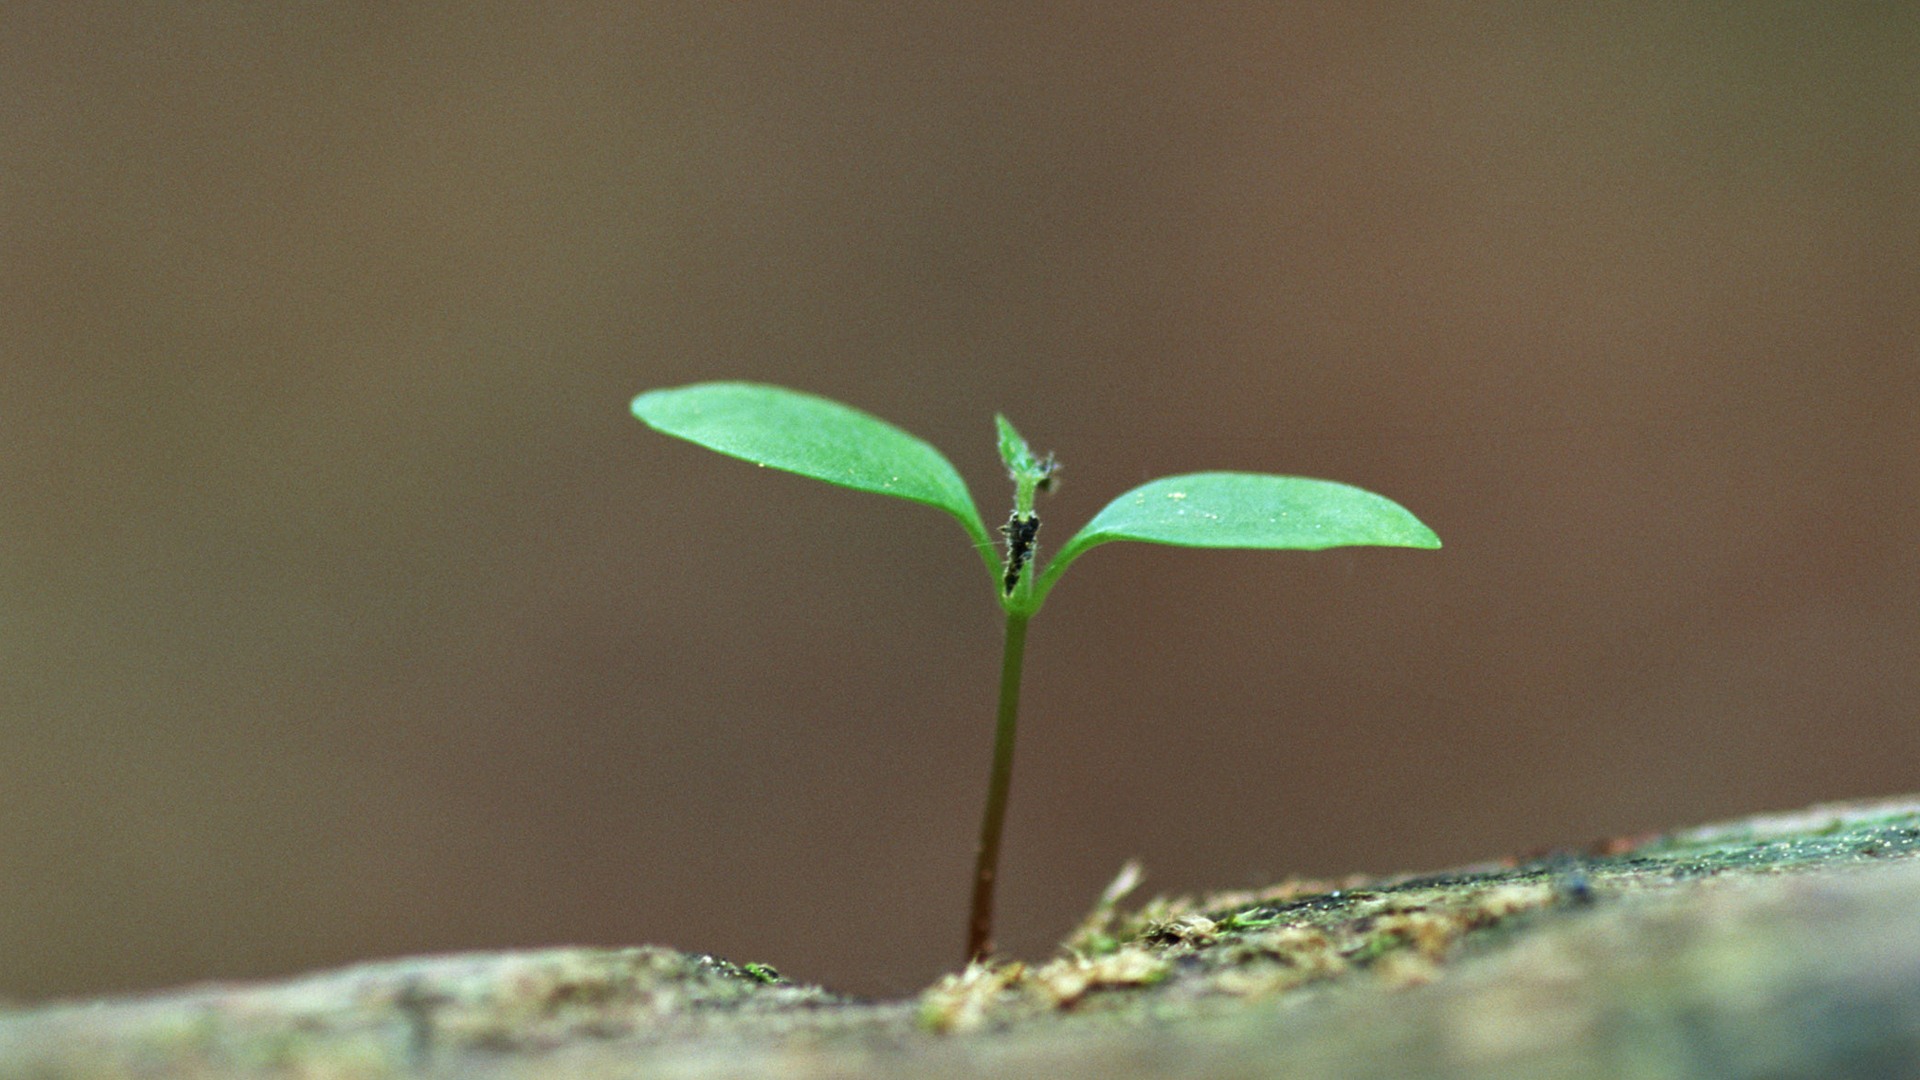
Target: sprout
812,436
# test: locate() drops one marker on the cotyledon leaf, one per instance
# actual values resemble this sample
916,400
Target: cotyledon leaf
1246,510
801,433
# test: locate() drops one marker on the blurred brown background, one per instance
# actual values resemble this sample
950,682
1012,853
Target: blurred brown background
345,611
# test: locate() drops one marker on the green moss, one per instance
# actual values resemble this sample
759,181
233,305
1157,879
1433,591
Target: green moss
761,972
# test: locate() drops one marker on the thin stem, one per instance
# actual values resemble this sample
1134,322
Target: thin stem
999,782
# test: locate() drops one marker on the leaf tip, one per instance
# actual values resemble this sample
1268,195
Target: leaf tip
645,406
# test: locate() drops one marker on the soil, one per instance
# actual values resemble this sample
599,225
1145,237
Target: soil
1778,945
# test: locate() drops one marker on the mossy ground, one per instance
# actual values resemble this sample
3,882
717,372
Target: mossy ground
1303,969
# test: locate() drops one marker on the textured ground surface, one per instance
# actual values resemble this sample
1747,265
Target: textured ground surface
1774,946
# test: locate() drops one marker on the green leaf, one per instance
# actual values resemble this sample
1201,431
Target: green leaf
812,436
1246,510
1013,448
1027,472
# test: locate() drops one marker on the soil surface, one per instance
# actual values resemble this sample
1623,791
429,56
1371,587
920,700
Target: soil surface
1780,945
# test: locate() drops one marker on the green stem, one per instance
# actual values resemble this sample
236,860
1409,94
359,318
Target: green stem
999,782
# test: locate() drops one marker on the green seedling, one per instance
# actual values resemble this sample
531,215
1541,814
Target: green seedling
812,436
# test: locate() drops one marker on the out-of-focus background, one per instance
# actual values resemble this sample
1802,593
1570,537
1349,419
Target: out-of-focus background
346,612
